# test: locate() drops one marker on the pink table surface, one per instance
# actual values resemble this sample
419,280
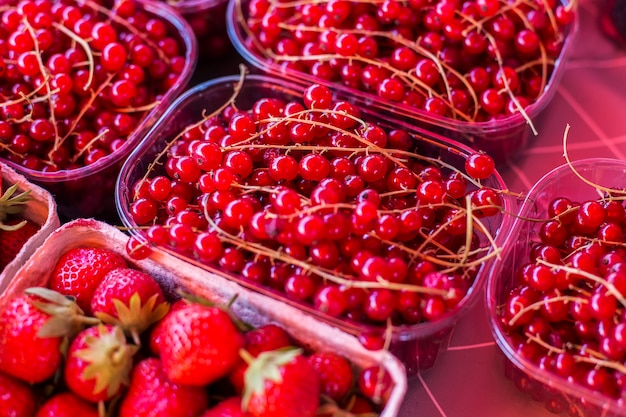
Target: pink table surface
468,380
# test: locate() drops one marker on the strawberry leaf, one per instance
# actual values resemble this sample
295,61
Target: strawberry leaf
12,204
135,317
109,359
66,317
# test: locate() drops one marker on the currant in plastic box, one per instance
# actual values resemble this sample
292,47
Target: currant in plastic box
417,345
207,19
89,190
557,394
501,138
174,274
41,209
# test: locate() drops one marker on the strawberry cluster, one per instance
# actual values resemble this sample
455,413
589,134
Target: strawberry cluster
103,336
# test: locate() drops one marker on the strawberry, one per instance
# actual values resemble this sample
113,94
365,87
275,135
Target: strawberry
13,239
154,340
262,339
230,407
336,377
32,329
129,298
280,383
79,271
16,398
67,404
152,394
199,344
99,362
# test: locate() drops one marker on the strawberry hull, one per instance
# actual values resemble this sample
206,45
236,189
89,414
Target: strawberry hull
40,210
174,274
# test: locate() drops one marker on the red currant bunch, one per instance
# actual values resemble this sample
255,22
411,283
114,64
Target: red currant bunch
566,311
470,60
77,78
325,206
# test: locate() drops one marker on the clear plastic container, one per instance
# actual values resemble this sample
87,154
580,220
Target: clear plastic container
416,345
89,191
501,138
207,19
173,275
558,394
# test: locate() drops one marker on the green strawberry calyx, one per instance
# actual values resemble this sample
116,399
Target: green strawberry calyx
109,358
265,367
12,203
135,317
66,317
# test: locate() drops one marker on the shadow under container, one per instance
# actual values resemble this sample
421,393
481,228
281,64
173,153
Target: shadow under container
417,346
207,19
501,139
90,190
557,394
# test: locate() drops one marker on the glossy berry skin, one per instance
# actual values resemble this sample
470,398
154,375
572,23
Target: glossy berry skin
184,336
335,374
16,398
24,355
79,271
66,404
152,394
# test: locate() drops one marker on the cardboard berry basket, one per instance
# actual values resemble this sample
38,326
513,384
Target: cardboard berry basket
537,362
416,344
304,46
174,274
41,209
87,189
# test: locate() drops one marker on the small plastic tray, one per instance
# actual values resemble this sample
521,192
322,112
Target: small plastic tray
500,138
174,274
40,210
89,191
558,394
417,345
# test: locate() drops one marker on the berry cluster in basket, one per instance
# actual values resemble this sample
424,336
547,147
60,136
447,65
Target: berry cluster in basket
475,60
103,337
77,78
331,211
567,312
